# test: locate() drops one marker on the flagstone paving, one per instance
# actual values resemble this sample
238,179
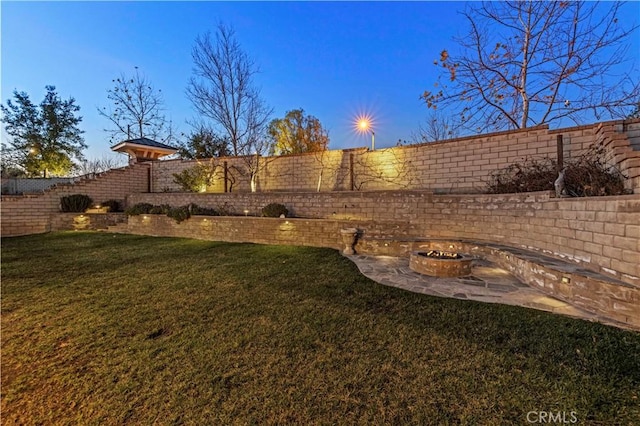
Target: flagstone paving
487,283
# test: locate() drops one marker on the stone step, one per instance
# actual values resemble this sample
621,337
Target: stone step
567,281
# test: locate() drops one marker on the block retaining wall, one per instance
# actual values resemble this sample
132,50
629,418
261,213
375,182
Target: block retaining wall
599,233
33,214
597,294
85,221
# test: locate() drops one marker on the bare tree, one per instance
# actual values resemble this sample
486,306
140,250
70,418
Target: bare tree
137,110
527,63
436,127
100,165
386,167
321,158
222,89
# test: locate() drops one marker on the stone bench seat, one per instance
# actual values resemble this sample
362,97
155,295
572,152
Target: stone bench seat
567,281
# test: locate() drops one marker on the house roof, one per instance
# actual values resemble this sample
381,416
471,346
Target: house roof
144,149
146,142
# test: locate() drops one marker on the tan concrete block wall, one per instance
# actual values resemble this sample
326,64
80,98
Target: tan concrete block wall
302,232
622,143
457,165
33,213
598,233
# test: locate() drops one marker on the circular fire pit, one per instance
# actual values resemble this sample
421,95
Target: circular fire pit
440,263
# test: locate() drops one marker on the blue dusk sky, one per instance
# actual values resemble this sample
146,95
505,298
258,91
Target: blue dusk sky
336,60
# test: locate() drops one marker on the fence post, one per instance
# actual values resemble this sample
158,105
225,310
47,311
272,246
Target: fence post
560,152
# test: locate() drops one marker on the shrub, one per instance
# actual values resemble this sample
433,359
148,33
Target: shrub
587,175
114,205
530,175
138,209
195,179
202,211
76,203
274,210
161,209
179,214
226,210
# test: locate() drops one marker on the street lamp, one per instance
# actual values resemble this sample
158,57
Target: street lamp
365,125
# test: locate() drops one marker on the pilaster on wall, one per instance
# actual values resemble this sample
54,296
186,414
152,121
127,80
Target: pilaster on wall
616,138
32,214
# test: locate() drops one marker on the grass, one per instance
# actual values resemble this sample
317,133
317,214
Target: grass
110,329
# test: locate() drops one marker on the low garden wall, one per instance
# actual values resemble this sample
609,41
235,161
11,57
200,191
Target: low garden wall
288,231
86,221
600,233
36,213
583,288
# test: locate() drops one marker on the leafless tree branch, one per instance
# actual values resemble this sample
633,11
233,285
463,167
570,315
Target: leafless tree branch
222,90
526,63
136,110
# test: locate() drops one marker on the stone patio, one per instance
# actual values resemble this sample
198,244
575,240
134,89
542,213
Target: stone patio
487,283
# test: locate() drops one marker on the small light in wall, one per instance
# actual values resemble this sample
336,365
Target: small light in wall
145,217
451,246
246,212
81,216
98,206
286,222
566,280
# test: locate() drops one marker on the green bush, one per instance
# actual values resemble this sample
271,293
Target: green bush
274,210
226,209
138,209
161,209
202,211
195,179
179,214
76,203
114,205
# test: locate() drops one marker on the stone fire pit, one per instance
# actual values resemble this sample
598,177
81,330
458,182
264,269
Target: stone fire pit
440,263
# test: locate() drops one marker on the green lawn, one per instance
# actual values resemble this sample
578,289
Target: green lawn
107,329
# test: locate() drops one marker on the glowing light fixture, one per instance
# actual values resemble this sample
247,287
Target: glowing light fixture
364,124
